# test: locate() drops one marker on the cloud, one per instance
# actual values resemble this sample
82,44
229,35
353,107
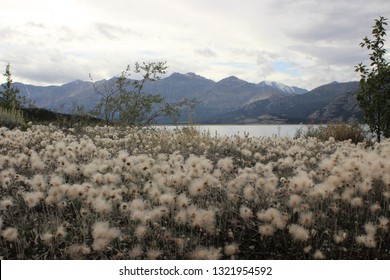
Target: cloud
301,42
206,52
112,31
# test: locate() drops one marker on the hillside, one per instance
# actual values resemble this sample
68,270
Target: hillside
230,100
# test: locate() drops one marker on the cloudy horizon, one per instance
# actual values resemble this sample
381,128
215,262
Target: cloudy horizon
299,43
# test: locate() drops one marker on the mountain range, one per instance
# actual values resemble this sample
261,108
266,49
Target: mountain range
228,101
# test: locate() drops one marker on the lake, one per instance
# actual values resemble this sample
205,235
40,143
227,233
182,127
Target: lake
284,130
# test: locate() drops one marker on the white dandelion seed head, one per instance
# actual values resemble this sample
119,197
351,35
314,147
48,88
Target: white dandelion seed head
231,249
10,234
245,212
298,233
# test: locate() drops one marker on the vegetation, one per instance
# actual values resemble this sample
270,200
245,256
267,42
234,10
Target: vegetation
8,97
374,92
140,193
12,118
124,101
338,131
10,114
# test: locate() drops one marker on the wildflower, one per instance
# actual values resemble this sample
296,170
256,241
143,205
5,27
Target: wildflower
203,253
47,237
33,198
231,249
370,228
347,194
180,244
76,251
375,208
90,169
159,212
306,218
271,183
77,191
153,254
226,164
140,232
5,181
60,233
167,199
245,212
366,240
197,187
294,201
307,249
356,202
369,241
38,183
318,255
83,212
56,181
71,169
249,193
365,186
6,203
246,153
36,163
360,239
182,201
101,205
383,224
181,217
103,235
97,178
10,234
274,216
110,178
266,230
300,182
204,219
298,233
339,237
136,252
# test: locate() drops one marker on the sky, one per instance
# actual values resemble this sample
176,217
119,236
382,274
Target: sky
304,43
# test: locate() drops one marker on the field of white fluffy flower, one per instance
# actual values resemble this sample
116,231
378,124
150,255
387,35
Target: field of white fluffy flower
128,193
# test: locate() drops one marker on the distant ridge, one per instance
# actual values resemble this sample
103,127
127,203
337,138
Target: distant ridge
230,100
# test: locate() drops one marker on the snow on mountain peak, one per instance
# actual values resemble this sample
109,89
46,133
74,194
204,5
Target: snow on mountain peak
282,87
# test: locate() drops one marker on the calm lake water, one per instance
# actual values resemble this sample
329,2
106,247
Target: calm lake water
253,130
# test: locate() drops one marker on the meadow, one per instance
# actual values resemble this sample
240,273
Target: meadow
142,193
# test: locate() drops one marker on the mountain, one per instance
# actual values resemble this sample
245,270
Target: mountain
230,100
331,102
60,98
284,88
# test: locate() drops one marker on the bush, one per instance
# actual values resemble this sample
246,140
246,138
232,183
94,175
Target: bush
339,131
12,118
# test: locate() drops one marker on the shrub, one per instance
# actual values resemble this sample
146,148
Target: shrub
12,118
339,131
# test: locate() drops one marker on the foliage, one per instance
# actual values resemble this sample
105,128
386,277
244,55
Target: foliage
339,131
124,101
374,92
12,118
142,193
9,100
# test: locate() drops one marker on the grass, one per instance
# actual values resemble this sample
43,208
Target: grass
129,193
339,131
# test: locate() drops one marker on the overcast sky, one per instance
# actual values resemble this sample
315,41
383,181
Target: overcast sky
303,43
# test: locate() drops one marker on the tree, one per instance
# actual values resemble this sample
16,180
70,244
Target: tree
9,100
373,95
123,100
